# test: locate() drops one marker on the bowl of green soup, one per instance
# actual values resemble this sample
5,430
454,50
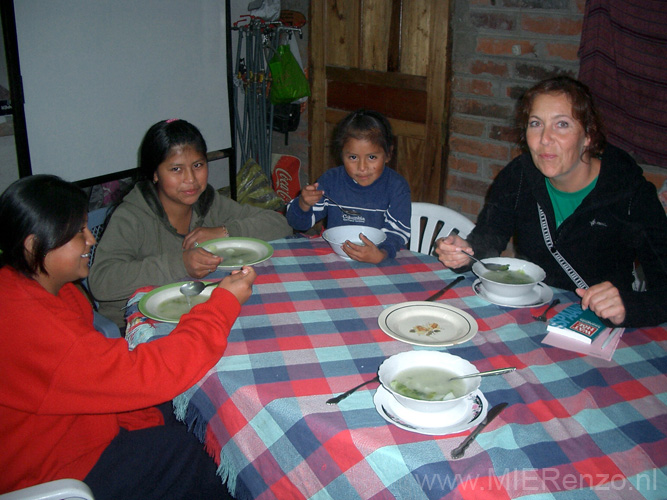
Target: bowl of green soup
419,380
518,280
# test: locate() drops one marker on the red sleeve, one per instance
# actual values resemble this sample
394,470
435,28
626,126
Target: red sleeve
102,375
59,364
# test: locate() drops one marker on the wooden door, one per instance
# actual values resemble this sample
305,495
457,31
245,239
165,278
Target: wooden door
391,56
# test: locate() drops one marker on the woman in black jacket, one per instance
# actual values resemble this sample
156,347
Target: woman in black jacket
578,207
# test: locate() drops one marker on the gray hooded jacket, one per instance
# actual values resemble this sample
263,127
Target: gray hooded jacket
140,247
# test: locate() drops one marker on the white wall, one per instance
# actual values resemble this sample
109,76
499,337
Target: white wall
97,75
218,170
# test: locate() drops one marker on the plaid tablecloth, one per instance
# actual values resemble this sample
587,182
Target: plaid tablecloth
576,427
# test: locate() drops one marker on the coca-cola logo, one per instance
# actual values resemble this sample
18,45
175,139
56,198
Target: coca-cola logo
281,183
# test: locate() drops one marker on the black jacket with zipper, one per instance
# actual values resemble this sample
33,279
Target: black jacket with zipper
620,222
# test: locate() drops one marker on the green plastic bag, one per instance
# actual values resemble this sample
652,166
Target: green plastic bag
253,188
288,80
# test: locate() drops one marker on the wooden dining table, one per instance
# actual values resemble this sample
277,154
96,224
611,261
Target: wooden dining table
575,427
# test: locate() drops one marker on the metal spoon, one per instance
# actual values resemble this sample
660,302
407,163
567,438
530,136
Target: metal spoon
490,267
347,211
194,288
499,371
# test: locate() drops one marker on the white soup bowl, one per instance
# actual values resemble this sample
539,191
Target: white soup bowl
394,365
336,236
509,290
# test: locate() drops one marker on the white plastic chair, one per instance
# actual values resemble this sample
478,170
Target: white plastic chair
61,489
639,284
430,222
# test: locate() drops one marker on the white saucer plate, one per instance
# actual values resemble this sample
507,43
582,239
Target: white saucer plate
432,424
538,296
431,324
168,304
237,252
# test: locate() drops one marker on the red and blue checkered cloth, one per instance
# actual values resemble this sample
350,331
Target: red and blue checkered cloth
576,426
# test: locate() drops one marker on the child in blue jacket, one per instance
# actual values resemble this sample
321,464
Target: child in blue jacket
364,142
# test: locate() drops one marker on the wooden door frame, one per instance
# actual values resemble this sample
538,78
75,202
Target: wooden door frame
434,130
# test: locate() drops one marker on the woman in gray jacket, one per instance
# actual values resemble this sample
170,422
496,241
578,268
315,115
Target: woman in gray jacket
151,237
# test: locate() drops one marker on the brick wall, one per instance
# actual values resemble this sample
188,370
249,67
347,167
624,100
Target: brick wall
500,48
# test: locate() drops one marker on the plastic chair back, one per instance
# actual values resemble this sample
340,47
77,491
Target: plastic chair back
62,489
429,222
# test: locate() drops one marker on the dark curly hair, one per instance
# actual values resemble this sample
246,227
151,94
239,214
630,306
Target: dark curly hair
583,110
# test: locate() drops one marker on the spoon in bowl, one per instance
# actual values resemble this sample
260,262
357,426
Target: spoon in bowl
499,371
490,267
194,288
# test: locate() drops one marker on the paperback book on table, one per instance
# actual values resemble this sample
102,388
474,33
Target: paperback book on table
582,331
577,324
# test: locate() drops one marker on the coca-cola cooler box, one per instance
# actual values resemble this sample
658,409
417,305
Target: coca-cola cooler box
285,176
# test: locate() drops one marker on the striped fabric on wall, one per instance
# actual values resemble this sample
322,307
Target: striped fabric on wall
623,56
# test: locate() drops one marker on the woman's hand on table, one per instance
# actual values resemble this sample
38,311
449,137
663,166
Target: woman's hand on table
449,251
310,195
604,300
368,252
239,283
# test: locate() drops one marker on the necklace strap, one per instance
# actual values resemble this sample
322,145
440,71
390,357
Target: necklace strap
548,241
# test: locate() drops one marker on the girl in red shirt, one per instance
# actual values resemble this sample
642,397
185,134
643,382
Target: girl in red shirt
73,403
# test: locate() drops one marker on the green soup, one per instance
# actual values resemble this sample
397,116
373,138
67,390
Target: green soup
428,384
235,256
177,307
509,277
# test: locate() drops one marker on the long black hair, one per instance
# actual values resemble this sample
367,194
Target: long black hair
46,206
161,138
